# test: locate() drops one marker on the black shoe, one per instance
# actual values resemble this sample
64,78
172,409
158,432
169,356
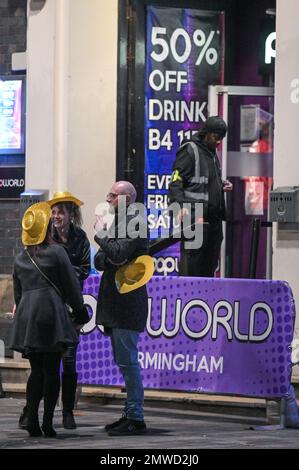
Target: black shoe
34,430
33,424
48,430
68,420
23,420
68,396
129,428
115,424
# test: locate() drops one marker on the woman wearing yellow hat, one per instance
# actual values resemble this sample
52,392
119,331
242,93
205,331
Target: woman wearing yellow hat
66,230
44,280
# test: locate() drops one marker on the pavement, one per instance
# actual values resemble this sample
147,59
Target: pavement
167,429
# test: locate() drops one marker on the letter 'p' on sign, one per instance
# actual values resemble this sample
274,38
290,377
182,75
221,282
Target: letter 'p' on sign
270,49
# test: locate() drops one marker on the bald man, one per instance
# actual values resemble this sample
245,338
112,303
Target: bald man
123,315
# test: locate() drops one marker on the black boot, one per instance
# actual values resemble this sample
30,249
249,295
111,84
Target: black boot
51,392
29,417
32,419
47,427
33,425
69,385
23,420
2,393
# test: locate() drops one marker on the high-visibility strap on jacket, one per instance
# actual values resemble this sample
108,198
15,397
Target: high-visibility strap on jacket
197,178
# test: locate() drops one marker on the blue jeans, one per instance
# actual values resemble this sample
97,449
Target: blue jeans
124,346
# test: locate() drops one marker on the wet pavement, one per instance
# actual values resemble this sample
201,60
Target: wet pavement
167,429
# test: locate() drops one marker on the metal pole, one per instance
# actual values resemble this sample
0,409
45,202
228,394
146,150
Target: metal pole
224,176
213,101
269,246
61,94
254,248
2,393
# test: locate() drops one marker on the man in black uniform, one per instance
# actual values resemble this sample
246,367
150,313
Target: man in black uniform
196,179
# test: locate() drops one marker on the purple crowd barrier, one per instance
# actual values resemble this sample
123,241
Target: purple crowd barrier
220,336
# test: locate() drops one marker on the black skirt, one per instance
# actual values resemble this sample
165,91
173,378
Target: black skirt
42,323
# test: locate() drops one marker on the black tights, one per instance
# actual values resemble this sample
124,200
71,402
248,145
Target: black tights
44,381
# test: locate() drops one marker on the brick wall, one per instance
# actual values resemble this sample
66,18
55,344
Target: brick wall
13,25
12,31
10,234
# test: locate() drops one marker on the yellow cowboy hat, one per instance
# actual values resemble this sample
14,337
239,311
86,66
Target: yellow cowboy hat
35,223
135,274
64,196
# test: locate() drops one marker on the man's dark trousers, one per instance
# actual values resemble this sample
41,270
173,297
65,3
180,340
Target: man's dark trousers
203,262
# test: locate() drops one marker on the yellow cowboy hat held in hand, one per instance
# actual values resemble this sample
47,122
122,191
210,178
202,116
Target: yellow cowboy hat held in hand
135,274
35,223
64,196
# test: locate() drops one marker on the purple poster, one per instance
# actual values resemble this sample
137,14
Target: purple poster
184,55
221,336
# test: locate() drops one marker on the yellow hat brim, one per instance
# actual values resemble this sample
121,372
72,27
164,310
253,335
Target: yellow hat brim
147,268
64,196
28,241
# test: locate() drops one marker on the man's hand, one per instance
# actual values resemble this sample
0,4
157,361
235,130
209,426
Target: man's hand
14,310
100,224
78,327
184,211
227,186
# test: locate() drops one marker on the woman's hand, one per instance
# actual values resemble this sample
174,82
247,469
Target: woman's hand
227,186
184,211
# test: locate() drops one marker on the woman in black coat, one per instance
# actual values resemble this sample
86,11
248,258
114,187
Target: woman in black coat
66,231
44,280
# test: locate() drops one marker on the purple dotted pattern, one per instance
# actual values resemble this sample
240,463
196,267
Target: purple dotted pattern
260,369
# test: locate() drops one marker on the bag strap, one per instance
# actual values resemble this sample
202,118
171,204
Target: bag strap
43,274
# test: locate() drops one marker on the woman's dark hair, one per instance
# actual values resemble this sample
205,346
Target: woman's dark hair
73,210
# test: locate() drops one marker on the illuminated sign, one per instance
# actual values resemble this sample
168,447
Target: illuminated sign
12,182
12,115
267,46
270,49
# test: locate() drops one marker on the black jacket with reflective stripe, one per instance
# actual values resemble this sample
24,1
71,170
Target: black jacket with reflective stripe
200,178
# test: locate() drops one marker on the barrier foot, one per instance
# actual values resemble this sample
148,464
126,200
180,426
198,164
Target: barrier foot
2,393
274,427
267,427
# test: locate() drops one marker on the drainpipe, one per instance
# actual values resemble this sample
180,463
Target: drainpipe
61,89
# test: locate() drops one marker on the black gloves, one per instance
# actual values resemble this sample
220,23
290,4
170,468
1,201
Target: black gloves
80,316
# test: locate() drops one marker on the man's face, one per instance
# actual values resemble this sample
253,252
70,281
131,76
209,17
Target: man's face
113,198
213,140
